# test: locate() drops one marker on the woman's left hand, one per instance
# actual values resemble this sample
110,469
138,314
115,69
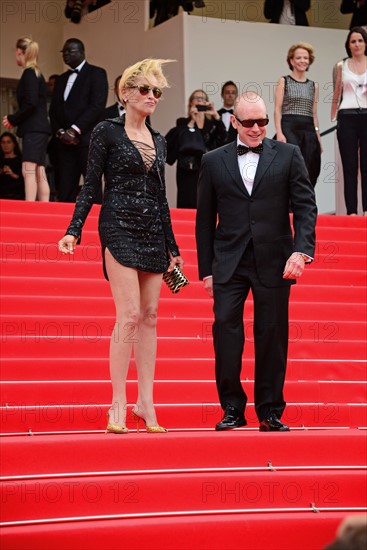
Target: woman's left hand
6,123
212,110
175,260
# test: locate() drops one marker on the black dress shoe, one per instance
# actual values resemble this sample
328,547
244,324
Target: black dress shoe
272,424
232,418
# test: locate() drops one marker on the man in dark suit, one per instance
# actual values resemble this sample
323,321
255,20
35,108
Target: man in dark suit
229,94
244,241
77,104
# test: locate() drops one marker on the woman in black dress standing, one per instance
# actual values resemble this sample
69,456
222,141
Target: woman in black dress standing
135,231
31,120
202,131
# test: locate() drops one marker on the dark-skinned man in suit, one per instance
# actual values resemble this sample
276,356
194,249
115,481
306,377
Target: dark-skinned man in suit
245,242
77,105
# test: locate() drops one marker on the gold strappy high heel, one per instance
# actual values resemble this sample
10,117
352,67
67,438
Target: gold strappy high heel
149,429
113,428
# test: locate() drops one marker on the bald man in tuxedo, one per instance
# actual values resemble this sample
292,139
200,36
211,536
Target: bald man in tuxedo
245,242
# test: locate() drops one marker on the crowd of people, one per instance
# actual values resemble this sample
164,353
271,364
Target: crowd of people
55,121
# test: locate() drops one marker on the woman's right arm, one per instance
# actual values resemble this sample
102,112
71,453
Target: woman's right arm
98,151
278,104
337,89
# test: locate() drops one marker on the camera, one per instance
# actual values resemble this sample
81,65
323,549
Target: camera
202,108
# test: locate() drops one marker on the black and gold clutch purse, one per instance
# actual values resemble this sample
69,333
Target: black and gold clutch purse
175,279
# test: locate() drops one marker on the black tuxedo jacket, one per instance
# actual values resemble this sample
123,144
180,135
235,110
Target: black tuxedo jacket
85,103
231,133
228,217
111,112
31,115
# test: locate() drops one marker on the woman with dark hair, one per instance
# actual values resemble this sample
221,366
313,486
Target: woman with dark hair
295,110
11,179
349,108
202,131
31,120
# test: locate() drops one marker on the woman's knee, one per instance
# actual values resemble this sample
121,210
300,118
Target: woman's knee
149,318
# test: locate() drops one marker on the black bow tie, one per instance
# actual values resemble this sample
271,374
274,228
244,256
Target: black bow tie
242,150
73,71
230,111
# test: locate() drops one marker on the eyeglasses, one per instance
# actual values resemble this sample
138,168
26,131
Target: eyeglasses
144,89
250,123
198,98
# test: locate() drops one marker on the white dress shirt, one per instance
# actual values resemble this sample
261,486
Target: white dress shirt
72,78
247,165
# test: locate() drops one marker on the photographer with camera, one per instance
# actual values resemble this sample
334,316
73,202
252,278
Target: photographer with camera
202,131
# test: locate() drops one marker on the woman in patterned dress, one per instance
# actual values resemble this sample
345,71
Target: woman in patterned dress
295,110
136,234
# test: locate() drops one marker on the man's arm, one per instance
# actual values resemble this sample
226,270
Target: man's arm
206,218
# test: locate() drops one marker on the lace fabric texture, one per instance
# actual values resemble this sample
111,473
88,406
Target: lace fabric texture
134,223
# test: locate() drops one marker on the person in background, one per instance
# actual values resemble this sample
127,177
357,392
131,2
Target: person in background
245,242
349,107
11,178
359,10
351,534
287,12
295,110
136,233
202,131
229,94
117,109
75,9
77,105
31,120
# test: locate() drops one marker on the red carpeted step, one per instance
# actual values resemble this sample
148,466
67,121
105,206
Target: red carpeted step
177,307
53,326
65,454
58,286
91,416
37,344
327,344
51,497
171,391
284,531
96,368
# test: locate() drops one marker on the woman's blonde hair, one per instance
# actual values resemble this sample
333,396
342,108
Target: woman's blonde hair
146,68
30,50
305,46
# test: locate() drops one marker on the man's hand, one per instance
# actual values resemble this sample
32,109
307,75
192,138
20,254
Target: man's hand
294,267
68,137
208,285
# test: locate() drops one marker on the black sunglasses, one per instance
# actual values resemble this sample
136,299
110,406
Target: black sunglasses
250,123
144,89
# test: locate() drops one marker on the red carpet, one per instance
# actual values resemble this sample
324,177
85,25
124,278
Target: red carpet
67,485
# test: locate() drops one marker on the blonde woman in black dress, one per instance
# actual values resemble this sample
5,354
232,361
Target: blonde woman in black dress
295,110
135,231
31,120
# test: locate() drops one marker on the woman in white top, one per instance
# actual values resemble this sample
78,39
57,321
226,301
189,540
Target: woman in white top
349,107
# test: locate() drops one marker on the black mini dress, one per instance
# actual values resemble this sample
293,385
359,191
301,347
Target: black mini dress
134,222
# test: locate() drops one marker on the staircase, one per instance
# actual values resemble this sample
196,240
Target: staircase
68,485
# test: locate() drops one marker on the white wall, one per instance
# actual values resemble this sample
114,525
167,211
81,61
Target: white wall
208,52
